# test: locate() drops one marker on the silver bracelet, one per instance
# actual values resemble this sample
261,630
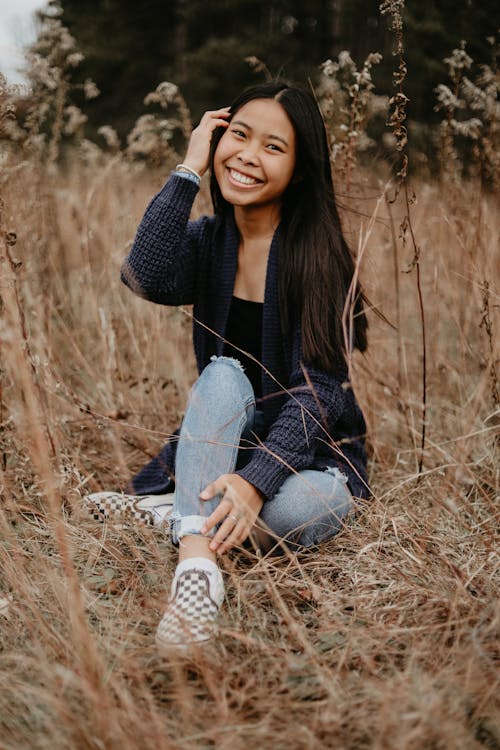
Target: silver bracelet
187,169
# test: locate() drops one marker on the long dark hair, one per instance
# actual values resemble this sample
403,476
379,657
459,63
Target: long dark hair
316,268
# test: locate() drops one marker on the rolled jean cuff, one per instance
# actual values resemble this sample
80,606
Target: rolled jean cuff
184,525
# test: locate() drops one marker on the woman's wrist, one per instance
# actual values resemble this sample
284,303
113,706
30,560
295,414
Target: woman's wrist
188,173
195,163
184,167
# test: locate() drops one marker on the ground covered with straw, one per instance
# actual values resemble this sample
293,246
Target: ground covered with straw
385,637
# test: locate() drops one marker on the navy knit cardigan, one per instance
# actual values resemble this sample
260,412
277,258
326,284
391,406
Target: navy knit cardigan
314,419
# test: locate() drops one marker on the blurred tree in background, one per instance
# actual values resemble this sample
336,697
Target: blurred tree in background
130,47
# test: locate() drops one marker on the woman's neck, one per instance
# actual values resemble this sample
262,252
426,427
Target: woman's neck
257,222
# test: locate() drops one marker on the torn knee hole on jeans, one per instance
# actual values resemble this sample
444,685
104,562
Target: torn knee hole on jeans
336,472
228,360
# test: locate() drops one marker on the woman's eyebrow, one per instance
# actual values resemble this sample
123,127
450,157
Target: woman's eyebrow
273,137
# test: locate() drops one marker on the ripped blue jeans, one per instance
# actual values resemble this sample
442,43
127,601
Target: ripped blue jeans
310,506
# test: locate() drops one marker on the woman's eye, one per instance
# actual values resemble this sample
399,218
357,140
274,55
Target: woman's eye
239,133
274,147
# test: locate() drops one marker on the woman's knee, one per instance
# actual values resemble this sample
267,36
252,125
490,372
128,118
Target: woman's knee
224,377
310,508
321,529
221,399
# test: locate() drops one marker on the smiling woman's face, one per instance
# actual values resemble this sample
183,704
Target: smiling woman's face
255,159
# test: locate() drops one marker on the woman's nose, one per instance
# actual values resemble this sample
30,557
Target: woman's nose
248,155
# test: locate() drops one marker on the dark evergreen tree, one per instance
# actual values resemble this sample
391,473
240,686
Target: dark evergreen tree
130,47
126,45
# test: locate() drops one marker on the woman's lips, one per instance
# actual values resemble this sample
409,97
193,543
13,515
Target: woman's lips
241,179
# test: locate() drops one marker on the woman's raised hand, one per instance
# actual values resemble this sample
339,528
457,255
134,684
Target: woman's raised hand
198,152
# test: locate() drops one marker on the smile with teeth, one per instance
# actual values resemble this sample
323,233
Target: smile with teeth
243,178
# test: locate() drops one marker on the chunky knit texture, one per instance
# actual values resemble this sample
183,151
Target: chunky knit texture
314,419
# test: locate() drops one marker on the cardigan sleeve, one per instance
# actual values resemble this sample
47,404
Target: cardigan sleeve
163,261
316,402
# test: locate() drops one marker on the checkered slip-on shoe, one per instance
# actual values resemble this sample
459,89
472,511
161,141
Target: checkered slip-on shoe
192,611
121,509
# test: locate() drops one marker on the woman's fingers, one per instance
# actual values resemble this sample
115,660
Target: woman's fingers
198,152
221,486
222,112
218,515
213,489
215,113
233,530
236,511
237,537
229,535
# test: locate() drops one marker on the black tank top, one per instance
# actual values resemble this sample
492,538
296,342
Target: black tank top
244,330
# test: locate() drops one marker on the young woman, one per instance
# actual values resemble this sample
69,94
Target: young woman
271,448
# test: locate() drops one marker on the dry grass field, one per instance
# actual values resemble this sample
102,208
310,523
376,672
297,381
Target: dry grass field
384,638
